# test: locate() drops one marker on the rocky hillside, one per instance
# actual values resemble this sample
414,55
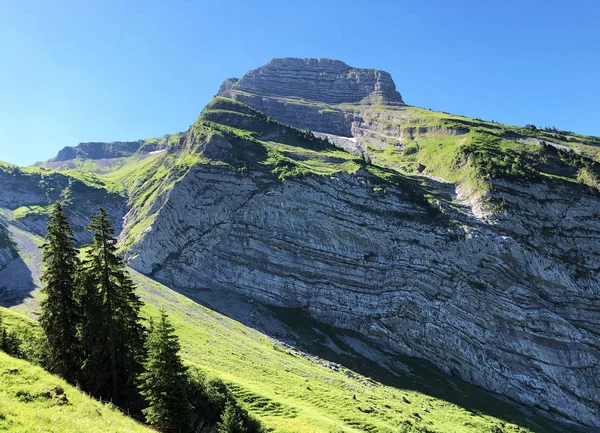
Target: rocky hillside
468,243
28,195
7,248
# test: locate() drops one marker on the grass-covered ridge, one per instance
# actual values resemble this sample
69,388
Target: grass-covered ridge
262,143
477,152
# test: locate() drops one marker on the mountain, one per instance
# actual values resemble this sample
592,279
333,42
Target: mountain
310,185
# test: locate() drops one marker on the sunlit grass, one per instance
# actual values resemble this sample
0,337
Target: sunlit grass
29,403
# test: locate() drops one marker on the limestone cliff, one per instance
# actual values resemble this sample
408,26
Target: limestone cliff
488,304
7,249
108,151
497,284
471,244
323,80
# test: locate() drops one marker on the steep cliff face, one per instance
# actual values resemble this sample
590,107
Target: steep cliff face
492,273
323,80
478,302
98,150
467,243
100,157
7,248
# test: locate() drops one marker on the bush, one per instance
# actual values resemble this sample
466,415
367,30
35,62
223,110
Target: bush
212,403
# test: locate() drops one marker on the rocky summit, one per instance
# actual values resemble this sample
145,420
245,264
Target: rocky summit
320,80
309,184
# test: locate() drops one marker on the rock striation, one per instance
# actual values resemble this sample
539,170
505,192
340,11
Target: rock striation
320,80
508,300
98,150
7,249
484,302
29,198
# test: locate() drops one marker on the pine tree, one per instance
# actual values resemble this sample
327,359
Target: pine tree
59,310
4,337
164,382
231,420
111,332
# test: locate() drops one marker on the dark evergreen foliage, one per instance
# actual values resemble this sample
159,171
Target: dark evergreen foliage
10,343
164,383
111,332
92,334
209,399
231,420
60,313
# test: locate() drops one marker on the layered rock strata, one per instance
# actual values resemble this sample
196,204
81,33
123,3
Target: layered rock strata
493,304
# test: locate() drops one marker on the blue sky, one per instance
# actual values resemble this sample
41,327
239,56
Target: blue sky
76,71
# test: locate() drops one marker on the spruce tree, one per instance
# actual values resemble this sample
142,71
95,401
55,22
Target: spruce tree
231,420
59,315
111,332
164,383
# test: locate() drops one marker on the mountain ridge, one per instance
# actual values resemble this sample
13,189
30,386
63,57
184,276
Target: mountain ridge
434,235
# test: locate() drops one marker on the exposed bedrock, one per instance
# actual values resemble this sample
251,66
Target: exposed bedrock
29,198
493,301
322,80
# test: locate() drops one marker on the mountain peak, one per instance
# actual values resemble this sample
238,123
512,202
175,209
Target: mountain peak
320,80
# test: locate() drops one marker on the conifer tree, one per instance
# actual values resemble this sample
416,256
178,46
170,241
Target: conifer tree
111,332
59,315
164,383
231,420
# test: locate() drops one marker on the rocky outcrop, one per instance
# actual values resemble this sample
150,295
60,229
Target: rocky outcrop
295,91
115,149
319,80
29,198
506,297
492,301
98,150
501,290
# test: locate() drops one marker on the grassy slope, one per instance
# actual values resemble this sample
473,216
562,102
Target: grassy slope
27,404
474,151
480,152
289,393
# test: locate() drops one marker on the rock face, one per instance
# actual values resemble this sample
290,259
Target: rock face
320,80
488,303
98,150
7,249
115,149
509,301
29,197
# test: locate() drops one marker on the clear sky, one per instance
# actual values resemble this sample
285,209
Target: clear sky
74,71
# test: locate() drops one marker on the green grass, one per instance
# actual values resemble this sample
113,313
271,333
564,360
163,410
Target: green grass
286,391
476,152
25,211
289,393
28,403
